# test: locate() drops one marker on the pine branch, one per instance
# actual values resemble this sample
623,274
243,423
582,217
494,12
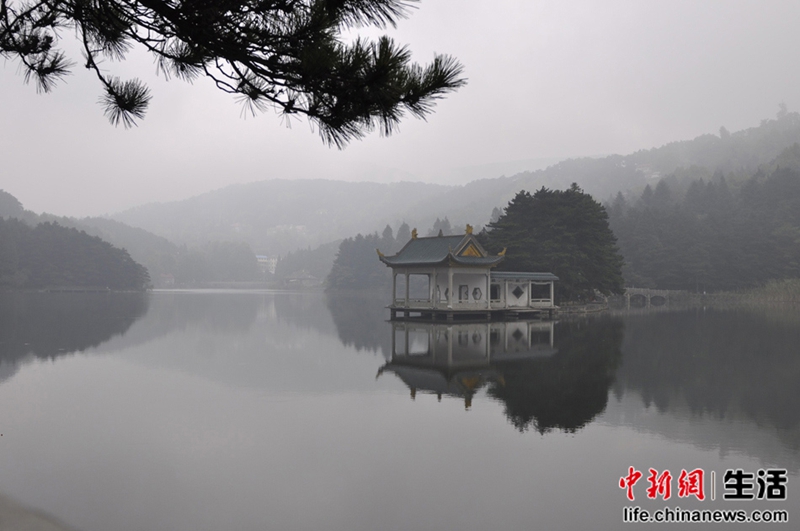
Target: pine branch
281,54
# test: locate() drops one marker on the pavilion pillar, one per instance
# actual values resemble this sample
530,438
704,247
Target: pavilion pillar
432,288
394,287
552,294
488,291
407,288
450,288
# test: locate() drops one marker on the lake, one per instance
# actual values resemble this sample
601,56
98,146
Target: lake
300,411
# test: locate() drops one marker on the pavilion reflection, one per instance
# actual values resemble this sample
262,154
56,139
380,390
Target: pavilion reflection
548,375
459,359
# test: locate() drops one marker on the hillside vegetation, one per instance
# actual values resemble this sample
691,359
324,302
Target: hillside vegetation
167,264
714,236
52,256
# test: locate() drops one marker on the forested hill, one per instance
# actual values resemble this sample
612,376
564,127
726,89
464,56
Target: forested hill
52,256
167,264
278,216
713,234
157,254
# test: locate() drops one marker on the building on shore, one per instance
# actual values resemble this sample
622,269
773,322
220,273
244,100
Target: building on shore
451,276
267,264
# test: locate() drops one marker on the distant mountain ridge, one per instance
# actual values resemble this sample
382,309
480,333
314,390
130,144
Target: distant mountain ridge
278,216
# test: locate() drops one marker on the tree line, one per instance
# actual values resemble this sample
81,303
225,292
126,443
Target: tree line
715,236
356,265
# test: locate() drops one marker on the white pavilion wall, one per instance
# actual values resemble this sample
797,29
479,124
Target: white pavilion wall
470,280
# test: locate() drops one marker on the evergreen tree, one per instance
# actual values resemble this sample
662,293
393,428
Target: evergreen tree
387,238
441,225
52,256
647,196
716,238
563,232
289,55
357,266
662,195
403,235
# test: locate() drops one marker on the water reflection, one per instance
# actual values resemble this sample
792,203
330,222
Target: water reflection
548,376
569,389
49,325
459,359
263,409
360,320
732,366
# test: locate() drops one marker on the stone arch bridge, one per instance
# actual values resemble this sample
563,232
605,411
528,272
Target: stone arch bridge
647,298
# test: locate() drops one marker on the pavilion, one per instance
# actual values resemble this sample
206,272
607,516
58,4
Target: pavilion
449,276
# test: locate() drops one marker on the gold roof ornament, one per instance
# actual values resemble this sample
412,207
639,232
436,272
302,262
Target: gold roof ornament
414,234
502,253
469,228
380,253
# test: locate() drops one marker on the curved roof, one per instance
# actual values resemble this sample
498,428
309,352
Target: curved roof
435,250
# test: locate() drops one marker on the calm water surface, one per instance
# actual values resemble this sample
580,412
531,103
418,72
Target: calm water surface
285,411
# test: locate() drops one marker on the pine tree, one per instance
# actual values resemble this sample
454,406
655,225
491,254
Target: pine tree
356,266
387,238
283,54
562,232
403,235
441,225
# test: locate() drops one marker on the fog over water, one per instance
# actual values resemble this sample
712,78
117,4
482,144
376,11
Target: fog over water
546,80
195,410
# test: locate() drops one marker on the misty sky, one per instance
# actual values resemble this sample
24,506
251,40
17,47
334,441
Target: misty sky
546,79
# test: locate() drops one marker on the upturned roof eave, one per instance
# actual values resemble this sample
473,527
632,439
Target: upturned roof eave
490,261
449,260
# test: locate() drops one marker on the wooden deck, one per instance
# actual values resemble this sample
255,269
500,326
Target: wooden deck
471,314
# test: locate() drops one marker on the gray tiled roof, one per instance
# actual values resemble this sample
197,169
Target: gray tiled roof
436,250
